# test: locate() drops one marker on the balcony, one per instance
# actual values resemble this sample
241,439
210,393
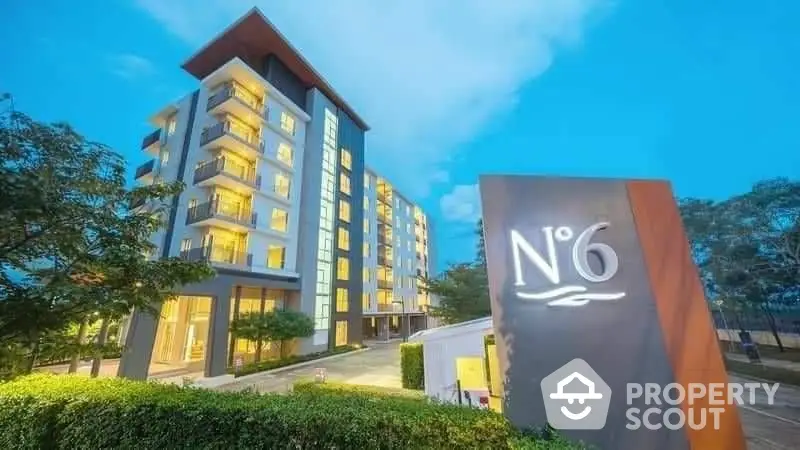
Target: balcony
151,143
226,173
233,138
228,215
235,100
219,255
146,171
386,307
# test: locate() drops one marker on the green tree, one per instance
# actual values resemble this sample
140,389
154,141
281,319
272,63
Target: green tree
285,325
71,246
254,327
462,289
747,248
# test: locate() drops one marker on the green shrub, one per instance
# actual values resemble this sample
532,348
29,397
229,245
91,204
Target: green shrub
357,389
52,411
412,367
270,364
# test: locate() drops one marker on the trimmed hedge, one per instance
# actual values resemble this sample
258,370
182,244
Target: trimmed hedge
412,368
67,411
270,364
357,389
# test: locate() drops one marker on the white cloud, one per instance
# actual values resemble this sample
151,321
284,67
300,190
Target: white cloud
130,66
462,204
426,75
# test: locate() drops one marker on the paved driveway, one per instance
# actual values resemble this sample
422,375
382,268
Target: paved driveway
768,427
378,366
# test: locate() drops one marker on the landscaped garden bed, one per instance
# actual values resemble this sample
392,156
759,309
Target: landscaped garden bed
63,411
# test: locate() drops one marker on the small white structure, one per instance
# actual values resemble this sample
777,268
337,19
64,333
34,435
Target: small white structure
440,348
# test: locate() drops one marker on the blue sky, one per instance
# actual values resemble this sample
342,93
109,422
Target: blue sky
705,94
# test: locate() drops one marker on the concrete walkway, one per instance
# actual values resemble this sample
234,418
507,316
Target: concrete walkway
380,366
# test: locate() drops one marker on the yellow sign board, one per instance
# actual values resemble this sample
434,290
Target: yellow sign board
470,373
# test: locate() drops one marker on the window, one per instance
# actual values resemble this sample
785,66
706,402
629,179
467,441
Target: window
344,239
172,124
344,211
347,159
366,249
186,245
284,154
341,300
342,269
344,183
193,203
280,220
276,257
366,203
366,182
366,275
365,301
366,226
164,156
282,183
341,332
287,123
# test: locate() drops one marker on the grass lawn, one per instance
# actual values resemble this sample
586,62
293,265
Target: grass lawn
767,351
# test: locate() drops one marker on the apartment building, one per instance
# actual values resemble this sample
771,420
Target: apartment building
396,253
276,201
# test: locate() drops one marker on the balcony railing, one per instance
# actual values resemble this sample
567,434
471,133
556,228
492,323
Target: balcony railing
386,307
151,139
145,169
222,128
229,211
225,166
218,254
231,90
137,203
385,284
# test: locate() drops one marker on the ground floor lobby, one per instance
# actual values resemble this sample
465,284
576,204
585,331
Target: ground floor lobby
391,326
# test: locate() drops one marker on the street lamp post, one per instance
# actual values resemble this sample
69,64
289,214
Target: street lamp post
719,304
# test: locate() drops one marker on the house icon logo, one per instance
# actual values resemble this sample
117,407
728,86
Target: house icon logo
575,397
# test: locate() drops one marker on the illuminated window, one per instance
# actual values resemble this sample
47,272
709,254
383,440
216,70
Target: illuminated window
186,245
276,257
366,249
365,301
347,160
366,226
280,220
284,153
282,183
366,203
366,181
164,156
344,239
344,183
342,269
341,332
344,211
287,123
341,300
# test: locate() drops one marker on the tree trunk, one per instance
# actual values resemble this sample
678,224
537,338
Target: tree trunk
259,346
773,328
283,349
101,342
31,362
73,363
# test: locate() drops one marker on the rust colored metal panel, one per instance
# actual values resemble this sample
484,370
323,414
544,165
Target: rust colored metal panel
686,325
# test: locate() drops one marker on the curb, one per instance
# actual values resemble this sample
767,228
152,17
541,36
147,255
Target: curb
762,380
290,367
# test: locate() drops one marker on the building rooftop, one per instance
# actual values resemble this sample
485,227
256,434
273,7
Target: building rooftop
252,37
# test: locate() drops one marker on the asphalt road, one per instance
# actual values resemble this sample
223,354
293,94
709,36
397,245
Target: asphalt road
772,427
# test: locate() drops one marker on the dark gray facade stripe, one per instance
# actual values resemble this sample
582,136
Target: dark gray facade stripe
187,140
